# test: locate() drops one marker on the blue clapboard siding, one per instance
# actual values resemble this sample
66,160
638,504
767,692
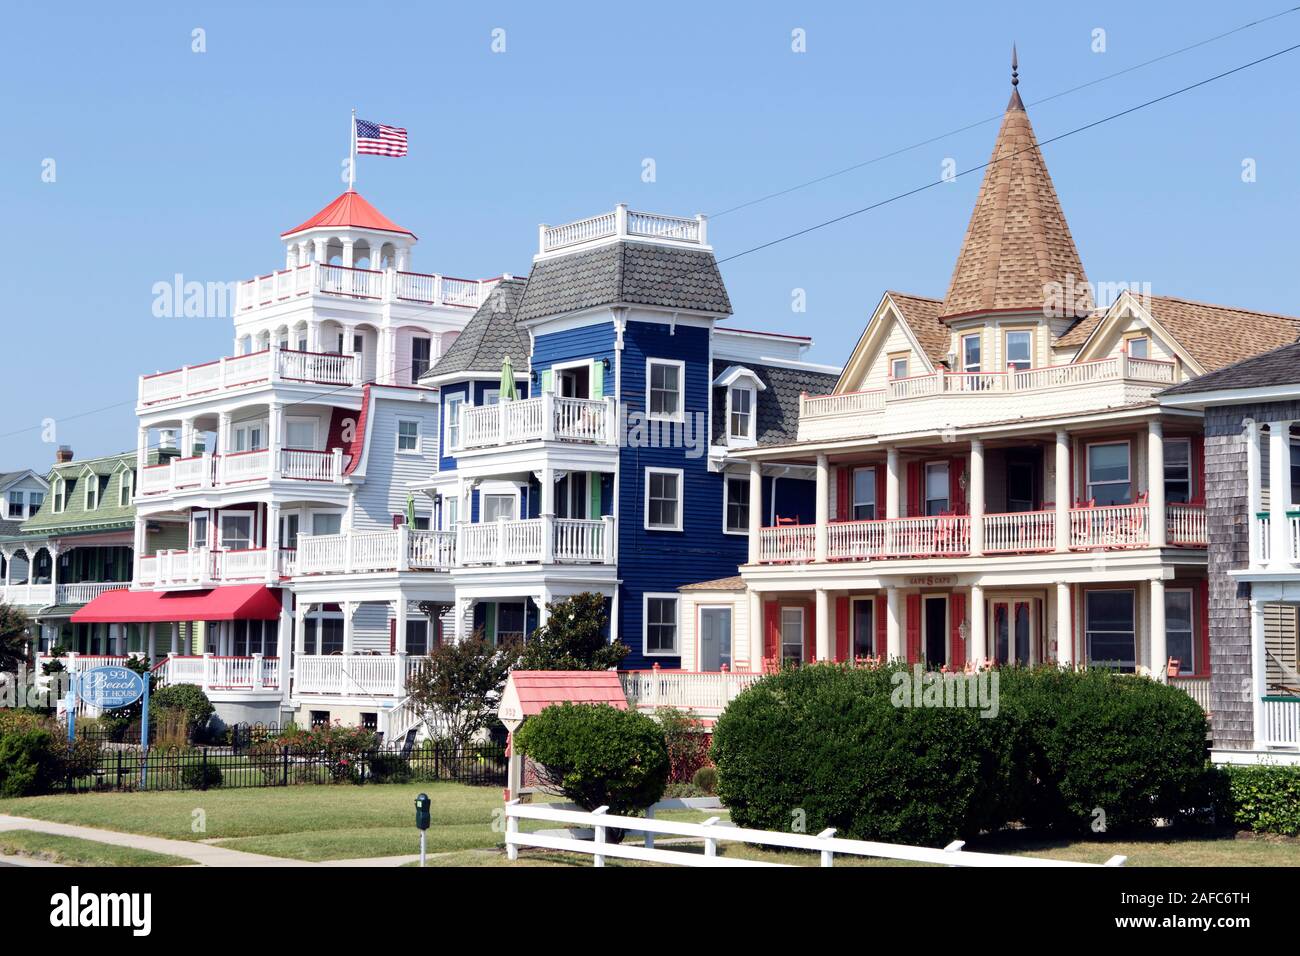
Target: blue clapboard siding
588,342
662,561
446,462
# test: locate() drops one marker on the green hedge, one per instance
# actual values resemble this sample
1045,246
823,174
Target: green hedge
826,746
1265,798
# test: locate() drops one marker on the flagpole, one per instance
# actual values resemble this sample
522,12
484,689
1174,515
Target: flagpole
352,161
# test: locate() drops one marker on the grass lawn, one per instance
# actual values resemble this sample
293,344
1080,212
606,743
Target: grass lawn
72,851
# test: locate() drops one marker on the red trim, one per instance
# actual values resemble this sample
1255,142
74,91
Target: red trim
914,628
809,632
844,493
880,613
1198,469
915,489
956,497
842,621
956,616
392,635
771,631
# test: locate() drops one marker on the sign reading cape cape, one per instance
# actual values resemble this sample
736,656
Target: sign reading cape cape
110,687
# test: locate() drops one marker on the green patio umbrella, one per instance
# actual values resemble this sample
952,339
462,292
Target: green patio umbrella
508,393
410,510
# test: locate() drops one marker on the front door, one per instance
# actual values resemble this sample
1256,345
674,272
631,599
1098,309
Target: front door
715,638
935,637
1013,630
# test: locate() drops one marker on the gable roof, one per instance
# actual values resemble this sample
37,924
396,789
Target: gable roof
75,517
625,272
1277,368
1017,241
921,313
777,411
733,583
349,211
489,336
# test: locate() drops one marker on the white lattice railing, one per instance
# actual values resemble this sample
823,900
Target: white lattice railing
240,371
215,471
306,465
707,692
240,466
366,551
1020,532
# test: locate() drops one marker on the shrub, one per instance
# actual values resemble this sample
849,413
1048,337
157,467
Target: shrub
706,780
824,746
598,756
1265,798
389,768
340,749
687,742
29,763
190,700
1096,745
198,776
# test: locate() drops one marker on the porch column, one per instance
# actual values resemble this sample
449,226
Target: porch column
1254,490
755,632
300,627
176,637
546,508
1159,644
1259,676
1064,626
543,599
891,483
223,433
1063,490
275,436
1279,494
348,245
151,648
273,540
399,624
823,624
823,515
894,624
979,642
141,451
976,497
1156,485
755,511
348,608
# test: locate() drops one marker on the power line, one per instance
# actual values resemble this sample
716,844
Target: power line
990,119
981,166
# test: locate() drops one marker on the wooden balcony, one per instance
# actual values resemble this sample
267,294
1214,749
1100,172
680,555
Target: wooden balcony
241,372
1026,532
545,418
211,672
239,468
204,567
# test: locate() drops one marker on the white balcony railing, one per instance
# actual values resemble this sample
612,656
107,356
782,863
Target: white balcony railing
520,541
1113,526
1280,719
624,223
204,566
211,672
241,467
86,592
241,371
1197,688
364,284
544,418
353,674
32,594
703,692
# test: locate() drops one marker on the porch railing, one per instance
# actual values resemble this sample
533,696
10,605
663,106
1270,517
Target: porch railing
1197,688
363,551
623,222
208,566
544,418
382,675
1281,722
28,593
213,672
215,471
1110,526
1020,532
86,592
240,371
699,691
1185,525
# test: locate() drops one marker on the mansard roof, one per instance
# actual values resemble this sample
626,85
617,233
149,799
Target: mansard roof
777,420
489,337
625,272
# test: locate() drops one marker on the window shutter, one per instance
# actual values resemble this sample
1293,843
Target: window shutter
810,633
957,615
880,614
844,494
597,378
593,493
392,635
1197,492
915,489
880,492
1203,630
913,628
546,380
771,631
842,619
956,497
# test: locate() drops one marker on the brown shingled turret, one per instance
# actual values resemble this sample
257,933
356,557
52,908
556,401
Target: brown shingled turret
1018,242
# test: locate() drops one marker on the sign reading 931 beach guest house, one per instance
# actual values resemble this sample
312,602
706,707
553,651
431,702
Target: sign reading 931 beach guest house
110,687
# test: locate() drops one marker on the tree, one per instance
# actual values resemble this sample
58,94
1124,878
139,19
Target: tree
573,638
14,636
458,688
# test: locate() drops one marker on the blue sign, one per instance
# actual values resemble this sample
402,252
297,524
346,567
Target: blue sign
109,687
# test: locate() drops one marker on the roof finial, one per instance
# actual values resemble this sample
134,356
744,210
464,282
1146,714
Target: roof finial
1015,103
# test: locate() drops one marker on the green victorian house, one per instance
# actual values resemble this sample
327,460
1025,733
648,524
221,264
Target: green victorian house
74,547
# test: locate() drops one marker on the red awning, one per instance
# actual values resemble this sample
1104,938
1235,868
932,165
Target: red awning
237,602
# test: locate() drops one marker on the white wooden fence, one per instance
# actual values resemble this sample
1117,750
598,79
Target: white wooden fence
713,831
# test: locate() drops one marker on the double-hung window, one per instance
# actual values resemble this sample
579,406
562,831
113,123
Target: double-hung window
421,349
1109,628
864,494
660,624
737,506
1180,641
664,398
1139,346
236,532
1020,350
663,499
37,498
499,506
452,424
16,501
898,367
1109,480
199,529
792,635
740,418
124,489
936,488
970,352
1178,470
408,437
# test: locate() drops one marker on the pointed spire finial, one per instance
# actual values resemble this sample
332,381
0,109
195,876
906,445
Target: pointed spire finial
1015,103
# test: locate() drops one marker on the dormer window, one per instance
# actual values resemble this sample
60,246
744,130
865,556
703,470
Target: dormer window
124,489
92,493
60,495
1020,349
898,366
1138,346
740,413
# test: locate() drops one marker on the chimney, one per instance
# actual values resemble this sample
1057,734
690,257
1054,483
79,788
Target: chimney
63,455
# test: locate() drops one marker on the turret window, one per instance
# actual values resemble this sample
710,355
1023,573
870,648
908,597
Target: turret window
1020,350
970,353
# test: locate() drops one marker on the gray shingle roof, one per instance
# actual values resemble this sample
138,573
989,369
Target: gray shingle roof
489,336
629,272
1278,367
778,404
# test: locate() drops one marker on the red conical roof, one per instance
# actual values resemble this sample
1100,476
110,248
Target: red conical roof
350,211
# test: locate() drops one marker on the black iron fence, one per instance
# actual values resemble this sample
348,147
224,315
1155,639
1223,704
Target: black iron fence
264,763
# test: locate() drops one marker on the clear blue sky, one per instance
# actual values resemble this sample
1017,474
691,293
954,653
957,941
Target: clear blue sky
174,162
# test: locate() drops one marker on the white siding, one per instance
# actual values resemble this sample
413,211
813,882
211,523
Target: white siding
383,492
691,602
877,375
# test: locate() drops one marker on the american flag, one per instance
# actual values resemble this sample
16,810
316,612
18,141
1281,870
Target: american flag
375,139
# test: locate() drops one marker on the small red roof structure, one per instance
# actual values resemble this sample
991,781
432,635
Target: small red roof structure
349,211
236,602
530,692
